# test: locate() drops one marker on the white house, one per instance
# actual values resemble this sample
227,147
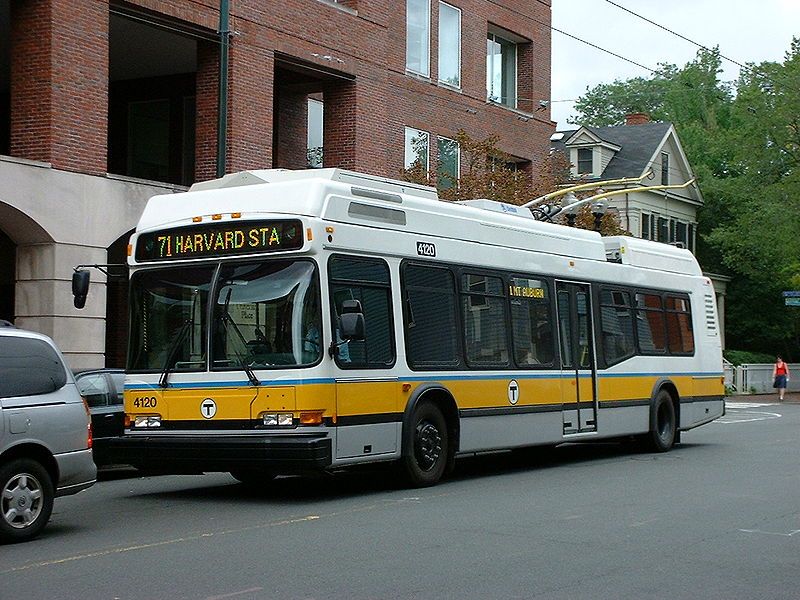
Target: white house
648,150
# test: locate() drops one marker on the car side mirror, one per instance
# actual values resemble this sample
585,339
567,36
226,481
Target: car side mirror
352,321
80,288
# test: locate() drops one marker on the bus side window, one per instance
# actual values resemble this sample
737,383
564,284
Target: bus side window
367,281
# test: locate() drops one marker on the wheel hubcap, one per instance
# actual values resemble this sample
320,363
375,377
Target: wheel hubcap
427,445
22,501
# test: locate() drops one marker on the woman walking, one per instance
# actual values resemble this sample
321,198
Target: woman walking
780,373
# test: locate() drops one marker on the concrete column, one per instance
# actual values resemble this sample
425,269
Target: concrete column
43,299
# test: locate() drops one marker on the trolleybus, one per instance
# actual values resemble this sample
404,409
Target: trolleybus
288,321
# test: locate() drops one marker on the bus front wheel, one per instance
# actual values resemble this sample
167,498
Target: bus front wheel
663,423
426,446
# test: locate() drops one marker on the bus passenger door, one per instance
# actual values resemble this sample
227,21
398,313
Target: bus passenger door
578,385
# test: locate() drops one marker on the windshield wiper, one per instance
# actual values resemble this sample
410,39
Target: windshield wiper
228,320
173,350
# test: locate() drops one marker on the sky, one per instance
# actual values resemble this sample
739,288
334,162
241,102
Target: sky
745,31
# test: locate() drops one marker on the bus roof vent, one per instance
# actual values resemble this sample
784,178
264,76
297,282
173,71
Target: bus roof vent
501,207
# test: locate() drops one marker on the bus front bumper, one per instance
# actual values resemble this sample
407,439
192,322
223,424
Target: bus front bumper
168,453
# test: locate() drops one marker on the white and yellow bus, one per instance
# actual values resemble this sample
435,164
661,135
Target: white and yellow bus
286,321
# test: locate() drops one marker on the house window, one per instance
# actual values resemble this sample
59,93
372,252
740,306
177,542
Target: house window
449,155
664,168
449,45
585,161
645,226
663,229
314,135
418,36
501,70
416,149
690,237
680,234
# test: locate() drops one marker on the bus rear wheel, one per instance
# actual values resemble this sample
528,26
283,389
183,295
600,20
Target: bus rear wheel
663,424
426,446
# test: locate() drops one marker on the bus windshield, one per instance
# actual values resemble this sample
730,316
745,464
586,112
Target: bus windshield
263,314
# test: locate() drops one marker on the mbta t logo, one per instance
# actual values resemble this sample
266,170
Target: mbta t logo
208,408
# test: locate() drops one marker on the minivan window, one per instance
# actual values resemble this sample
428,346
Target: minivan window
30,367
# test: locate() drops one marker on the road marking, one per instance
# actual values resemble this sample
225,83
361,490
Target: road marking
233,594
190,538
738,405
746,416
790,534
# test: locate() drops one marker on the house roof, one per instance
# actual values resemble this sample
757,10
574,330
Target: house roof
637,145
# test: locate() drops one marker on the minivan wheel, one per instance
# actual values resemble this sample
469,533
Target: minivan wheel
26,500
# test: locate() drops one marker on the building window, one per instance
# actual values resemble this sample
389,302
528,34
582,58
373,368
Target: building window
501,70
418,36
449,160
449,45
148,139
664,168
314,138
585,156
663,229
646,226
416,149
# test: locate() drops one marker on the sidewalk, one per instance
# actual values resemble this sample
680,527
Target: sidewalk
770,398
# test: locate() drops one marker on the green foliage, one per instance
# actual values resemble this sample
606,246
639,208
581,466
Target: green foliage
743,142
744,357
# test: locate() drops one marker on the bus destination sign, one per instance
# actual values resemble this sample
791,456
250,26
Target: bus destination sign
220,239
527,288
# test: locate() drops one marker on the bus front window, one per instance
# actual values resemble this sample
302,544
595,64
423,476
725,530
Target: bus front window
266,314
168,308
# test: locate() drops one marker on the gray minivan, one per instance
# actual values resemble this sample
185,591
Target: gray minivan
45,435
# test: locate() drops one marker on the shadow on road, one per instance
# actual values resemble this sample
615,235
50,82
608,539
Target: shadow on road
377,479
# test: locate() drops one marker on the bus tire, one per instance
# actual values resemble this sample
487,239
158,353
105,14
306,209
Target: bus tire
426,447
26,500
253,477
663,423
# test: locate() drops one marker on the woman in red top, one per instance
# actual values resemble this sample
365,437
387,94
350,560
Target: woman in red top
780,372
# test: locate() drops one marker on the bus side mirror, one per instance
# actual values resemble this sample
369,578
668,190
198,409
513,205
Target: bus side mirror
80,288
352,321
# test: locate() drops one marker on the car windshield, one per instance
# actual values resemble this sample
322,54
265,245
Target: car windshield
264,314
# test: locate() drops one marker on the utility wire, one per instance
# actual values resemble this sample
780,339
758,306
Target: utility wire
675,33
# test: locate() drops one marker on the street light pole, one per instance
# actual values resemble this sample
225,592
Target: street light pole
222,109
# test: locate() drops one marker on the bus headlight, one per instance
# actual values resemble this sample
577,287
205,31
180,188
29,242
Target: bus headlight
277,419
147,421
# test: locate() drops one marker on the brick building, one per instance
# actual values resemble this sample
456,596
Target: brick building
103,104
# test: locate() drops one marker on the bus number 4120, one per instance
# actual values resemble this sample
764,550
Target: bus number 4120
426,249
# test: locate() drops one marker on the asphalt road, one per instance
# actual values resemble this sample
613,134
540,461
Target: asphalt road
716,518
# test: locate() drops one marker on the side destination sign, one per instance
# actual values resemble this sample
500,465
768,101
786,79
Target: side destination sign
220,239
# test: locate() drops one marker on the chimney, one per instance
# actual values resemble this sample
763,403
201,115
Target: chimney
637,119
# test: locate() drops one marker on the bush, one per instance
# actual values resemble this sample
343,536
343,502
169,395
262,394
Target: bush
739,357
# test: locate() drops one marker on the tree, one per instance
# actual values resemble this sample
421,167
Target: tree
743,142
490,173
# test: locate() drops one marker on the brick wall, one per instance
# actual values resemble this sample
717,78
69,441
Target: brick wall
59,80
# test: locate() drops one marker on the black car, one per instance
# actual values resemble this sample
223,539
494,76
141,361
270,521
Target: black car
102,389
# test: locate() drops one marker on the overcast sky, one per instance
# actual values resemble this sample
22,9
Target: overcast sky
745,31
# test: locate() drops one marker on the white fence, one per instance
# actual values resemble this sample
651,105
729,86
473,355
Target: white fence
757,378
